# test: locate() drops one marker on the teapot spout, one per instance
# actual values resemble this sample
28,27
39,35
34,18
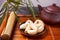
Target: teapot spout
40,8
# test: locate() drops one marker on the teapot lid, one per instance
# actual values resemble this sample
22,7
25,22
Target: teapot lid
52,9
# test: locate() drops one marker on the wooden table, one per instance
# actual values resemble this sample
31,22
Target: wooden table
52,32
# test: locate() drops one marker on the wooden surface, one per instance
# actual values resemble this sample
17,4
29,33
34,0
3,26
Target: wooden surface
52,32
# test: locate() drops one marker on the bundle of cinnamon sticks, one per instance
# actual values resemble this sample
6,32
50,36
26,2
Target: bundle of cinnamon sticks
7,26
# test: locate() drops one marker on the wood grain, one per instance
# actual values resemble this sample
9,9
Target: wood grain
52,32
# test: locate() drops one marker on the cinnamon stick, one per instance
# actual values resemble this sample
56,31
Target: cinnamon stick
3,24
9,27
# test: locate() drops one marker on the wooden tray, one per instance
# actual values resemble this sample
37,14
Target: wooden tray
52,32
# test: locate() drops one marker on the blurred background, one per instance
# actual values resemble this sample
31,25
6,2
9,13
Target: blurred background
43,3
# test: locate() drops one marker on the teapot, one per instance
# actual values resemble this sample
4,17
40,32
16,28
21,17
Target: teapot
50,14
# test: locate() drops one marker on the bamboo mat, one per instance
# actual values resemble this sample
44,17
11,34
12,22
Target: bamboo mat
52,32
